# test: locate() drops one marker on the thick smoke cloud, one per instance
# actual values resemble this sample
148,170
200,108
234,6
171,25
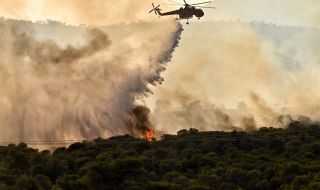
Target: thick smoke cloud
233,74
240,75
80,86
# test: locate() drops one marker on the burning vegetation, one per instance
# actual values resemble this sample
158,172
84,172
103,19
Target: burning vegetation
140,124
150,135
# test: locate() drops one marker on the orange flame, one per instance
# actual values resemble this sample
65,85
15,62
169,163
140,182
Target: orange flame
150,136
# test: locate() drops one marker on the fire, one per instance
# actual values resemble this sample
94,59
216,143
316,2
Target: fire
150,136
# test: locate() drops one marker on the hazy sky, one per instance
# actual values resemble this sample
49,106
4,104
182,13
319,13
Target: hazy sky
293,12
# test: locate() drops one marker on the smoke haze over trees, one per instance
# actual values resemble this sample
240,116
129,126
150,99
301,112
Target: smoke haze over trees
238,74
267,159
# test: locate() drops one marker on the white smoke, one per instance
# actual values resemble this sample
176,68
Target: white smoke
240,75
64,82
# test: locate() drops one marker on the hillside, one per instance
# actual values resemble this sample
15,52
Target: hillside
267,159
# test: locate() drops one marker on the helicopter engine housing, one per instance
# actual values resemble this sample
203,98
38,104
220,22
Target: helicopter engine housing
199,13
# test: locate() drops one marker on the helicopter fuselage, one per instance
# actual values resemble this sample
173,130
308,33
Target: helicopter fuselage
189,11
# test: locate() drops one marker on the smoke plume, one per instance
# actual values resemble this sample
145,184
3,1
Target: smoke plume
240,76
66,82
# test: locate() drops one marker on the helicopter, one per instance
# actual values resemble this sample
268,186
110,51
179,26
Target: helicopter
187,12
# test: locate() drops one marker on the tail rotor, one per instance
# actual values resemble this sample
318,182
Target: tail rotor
156,9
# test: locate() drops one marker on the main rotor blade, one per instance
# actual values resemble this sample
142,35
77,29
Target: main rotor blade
175,2
172,4
202,3
185,2
206,7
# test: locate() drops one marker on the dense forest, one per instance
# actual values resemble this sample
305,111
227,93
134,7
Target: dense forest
265,159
